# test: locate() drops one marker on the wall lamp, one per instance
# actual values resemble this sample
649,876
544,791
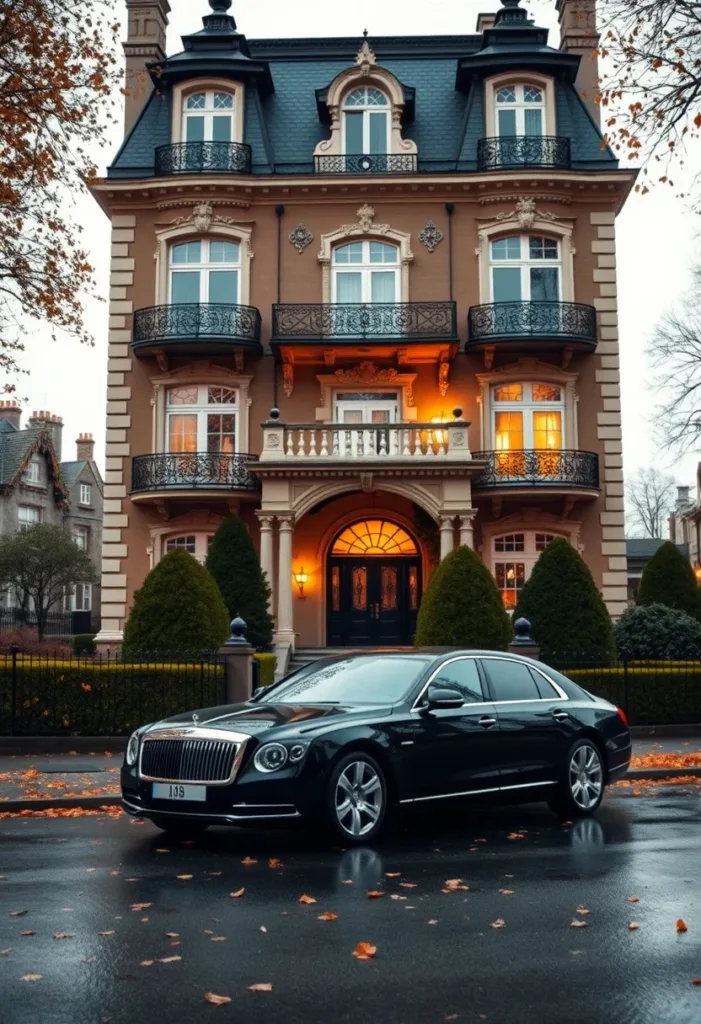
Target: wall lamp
301,578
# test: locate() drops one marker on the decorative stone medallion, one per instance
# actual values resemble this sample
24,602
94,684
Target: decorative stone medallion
431,236
301,237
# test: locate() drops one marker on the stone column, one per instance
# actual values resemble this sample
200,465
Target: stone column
447,536
266,553
285,618
466,529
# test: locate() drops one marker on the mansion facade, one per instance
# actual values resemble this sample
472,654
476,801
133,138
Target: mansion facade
363,294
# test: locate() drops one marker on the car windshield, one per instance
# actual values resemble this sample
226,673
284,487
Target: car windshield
368,679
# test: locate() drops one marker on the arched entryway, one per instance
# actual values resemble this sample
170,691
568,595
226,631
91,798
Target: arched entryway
373,585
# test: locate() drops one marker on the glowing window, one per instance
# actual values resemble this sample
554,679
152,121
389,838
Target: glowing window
374,537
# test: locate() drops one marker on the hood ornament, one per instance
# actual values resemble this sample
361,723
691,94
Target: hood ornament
195,718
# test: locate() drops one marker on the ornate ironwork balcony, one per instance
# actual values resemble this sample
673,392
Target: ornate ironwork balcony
192,328
372,163
512,152
192,471
203,158
538,468
401,321
563,322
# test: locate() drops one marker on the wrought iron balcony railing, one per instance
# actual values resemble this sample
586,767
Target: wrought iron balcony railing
516,151
196,322
372,163
548,321
203,157
192,471
404,321
538,468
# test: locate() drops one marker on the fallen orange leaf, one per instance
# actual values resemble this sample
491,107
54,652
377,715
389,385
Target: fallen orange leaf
499,923
364,951
393,874
328,915
578,924
581,909
171,935
307,899
506,892
696,981
408,885
184,878
26,933
249,860
633,926
633,899
215,1000
169,959
274,863
261,986
237,894
375,894
511,835
681,925
31,977
218,938
146,963
105,933
141,906
63,935
434,921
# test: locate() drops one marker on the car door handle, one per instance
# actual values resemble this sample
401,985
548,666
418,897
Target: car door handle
560,716
487,723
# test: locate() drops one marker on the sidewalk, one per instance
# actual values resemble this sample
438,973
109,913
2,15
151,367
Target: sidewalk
69,780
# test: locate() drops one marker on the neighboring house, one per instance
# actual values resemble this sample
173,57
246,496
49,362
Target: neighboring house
405,247
639,551
37,487
685,523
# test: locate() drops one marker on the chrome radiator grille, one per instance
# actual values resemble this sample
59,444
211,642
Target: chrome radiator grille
188,760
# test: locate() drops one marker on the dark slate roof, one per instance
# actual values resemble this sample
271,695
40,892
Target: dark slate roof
15,446
643,547
70,471
283,126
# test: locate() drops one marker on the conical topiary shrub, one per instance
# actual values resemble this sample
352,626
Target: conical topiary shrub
462,606
178,609
567,613
669,579
234,564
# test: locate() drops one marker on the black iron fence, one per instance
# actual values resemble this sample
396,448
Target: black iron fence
55,695
370,163
515,151
198,157
57,624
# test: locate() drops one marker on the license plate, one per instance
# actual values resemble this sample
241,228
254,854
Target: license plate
174,791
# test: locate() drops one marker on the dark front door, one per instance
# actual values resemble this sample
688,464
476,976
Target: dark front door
372,602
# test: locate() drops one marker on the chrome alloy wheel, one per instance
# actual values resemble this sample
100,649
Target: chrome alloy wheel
586,776
358,798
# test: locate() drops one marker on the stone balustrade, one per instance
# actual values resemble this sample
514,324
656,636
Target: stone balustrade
366,442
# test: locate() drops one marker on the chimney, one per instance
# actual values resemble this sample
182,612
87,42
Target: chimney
579,34
485,21
12,412
682,498
85,448
53,425
147,21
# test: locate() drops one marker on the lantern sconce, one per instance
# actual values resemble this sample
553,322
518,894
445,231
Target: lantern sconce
301,578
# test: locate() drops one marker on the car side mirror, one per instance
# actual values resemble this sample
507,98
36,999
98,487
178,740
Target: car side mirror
442,698
257,692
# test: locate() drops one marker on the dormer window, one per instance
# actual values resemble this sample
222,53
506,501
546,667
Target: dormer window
208,117
366,122
520,110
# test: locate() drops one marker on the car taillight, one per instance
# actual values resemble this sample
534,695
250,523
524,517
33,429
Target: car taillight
622,715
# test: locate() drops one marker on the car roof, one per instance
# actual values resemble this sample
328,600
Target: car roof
422,652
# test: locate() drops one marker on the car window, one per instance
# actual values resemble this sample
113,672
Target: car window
511,680
461,675
545,688
366,679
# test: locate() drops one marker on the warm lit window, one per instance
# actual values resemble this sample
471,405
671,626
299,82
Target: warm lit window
366,122
201,418
525,268
513,558
527,417
520,110
196,544
85,494
80,537
374,537
28,515
366,272
205,271
208,117
33,472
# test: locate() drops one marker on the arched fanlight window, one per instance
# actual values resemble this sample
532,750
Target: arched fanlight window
374,537
366,122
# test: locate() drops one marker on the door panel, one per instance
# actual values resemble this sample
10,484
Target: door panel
372,602
454,754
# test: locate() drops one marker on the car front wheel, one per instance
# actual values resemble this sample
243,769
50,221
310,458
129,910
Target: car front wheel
357,798
582,788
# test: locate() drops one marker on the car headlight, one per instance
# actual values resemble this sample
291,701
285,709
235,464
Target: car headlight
133,748
271,757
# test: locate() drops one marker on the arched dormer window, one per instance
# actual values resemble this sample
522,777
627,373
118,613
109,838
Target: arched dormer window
366,272
208,116
205,270
366,122
520,110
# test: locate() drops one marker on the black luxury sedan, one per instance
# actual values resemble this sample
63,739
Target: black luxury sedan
344,740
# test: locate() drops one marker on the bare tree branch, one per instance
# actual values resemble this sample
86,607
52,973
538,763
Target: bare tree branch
649,500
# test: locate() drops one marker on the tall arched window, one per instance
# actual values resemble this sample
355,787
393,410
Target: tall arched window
208,117
520,110
513,558
206,270
525,268
366,272
366,122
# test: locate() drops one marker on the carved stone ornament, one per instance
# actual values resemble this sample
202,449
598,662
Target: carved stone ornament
273,442
525,213
458,439
202,217
366,55
366,215
301,237
443,378
431,236
366,373
288,379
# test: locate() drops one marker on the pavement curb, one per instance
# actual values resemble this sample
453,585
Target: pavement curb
84,803
662,773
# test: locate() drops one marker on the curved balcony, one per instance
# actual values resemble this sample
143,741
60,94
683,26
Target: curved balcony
563,470
194,329
545,324
181,473
203,158
398,322
371,163
514,152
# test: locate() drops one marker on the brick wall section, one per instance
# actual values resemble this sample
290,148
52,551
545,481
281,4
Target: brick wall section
119,365
613,547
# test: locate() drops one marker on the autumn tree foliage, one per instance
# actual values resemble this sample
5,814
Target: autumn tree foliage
58,80
650,91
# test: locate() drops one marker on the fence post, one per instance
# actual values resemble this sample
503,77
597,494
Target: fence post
523,642
238,664
13,705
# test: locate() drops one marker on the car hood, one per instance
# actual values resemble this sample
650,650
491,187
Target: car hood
257,718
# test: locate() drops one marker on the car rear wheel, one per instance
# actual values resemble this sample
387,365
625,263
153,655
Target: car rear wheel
582,787
356,801
182,827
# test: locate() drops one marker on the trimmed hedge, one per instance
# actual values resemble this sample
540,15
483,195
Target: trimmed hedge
651,693
656,631
84,643
234,564
266,669
669,579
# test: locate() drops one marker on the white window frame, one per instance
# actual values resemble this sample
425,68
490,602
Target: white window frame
200,543
85,494
81,536
366,109
496,82
208,113
520,106
525,558
71,602
33,473
205,267
33,520
202,408
366,269
525,264
527,406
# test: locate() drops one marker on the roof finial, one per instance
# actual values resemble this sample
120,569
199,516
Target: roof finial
365,33
511,13
220,6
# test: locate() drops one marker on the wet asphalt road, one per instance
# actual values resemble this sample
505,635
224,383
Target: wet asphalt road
438,958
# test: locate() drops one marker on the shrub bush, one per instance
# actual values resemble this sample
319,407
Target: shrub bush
656,631
650,694
27,639
84,643
462,606
669,579
266,669
234,564
178,608
567,614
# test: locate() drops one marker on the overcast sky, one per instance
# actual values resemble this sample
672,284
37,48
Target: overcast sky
656,234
